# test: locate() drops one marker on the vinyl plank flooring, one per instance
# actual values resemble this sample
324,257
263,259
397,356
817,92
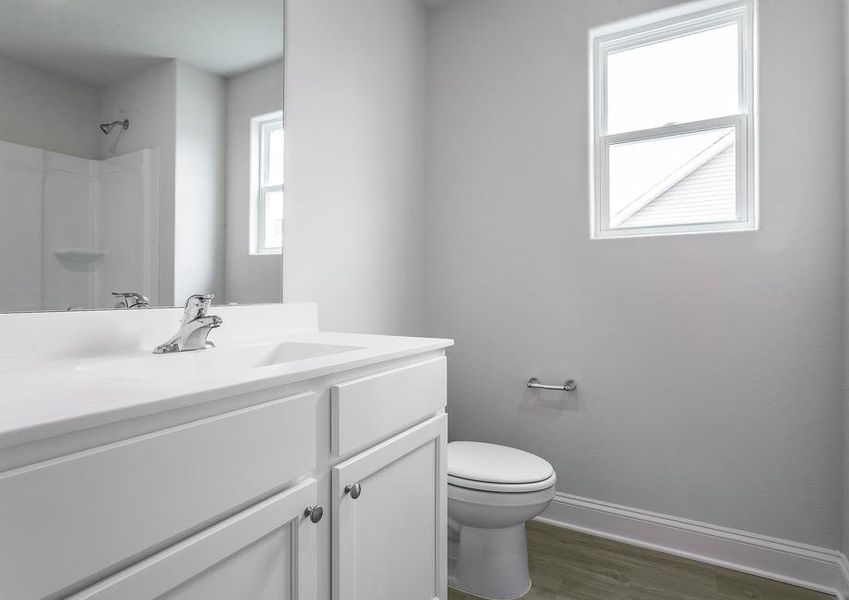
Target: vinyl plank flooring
566,565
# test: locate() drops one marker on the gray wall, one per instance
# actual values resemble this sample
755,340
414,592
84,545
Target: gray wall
710,366
353,235
250,278
199,209
49,111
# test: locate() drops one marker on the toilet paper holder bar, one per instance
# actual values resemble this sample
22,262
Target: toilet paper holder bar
568,386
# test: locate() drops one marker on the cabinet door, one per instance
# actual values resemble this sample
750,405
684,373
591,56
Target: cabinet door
389,542
128,498
266,552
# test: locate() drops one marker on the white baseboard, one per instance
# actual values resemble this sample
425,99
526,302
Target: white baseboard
782,560
843,584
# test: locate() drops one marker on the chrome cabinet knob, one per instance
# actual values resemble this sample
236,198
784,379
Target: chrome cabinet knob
354,490
314,513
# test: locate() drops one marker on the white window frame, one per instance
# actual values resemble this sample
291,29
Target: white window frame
261,127
652,28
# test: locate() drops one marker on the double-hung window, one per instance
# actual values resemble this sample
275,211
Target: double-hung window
266,235
673,104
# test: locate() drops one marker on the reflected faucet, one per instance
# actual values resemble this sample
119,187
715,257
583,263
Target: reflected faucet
131,300
195,327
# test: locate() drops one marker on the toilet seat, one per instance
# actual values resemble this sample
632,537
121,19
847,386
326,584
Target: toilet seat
493,468
502,488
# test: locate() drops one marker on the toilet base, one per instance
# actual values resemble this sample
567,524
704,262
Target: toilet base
491,563
459,589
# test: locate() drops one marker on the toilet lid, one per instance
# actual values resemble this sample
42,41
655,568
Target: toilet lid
491,463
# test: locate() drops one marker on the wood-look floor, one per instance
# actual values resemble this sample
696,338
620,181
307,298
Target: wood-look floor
566,565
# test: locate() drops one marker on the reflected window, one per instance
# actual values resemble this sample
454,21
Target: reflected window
267,190
673,122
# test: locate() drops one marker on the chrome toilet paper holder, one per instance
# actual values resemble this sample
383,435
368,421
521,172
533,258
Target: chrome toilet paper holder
567,386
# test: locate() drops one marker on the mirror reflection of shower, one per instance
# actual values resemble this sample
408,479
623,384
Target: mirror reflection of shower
106,128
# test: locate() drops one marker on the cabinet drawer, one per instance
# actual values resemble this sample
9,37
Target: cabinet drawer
65,520
374,407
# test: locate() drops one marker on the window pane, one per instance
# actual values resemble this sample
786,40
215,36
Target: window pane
273,220
680,80
676,180
275,156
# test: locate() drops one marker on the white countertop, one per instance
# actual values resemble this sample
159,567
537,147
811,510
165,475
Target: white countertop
61,394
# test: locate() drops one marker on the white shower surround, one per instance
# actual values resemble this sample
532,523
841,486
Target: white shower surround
82,228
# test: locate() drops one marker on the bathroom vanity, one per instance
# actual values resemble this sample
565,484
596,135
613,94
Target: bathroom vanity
284,463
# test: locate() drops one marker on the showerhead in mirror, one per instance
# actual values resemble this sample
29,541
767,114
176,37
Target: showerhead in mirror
106,128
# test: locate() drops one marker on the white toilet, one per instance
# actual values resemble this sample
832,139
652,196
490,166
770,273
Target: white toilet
492,491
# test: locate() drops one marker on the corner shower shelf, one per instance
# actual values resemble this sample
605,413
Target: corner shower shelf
78,254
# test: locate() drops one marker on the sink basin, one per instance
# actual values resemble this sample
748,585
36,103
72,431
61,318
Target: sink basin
213,363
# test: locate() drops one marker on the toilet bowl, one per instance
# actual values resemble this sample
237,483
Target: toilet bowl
492,491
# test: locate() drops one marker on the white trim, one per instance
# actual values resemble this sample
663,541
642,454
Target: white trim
665,14
651,28
843,582
790,562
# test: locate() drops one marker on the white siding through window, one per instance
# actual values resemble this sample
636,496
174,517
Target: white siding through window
705,196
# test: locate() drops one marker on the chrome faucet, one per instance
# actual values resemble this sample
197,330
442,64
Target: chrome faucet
131,300
195,327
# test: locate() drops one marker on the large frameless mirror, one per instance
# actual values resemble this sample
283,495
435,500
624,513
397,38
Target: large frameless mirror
141,152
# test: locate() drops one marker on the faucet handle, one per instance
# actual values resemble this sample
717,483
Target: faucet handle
197,305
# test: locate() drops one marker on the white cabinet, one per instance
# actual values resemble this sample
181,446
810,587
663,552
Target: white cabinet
389,518
267,552
214,507
126,498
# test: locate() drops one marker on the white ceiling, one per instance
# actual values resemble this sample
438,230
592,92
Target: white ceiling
99,41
